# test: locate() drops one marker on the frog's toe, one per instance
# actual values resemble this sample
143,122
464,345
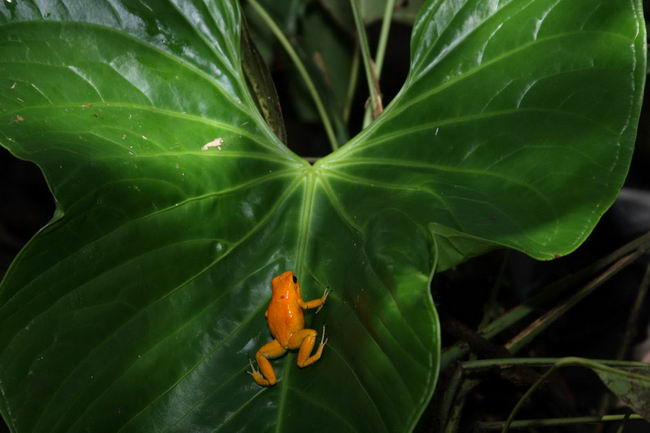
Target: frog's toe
253,370
323,340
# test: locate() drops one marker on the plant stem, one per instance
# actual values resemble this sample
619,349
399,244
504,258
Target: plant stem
383,36
539,325
630,329
381,49
448,398
352,85
547,422
489,364
371,77
551,292
456,412
526,396
327,124
571,361
621,428
491,304
555,289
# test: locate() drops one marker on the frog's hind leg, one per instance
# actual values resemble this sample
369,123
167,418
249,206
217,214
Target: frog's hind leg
267,375
304,340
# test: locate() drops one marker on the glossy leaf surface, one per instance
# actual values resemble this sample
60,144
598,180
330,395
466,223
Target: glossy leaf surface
137,308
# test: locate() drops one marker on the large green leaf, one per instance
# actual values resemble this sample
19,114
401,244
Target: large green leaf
138,307
515,126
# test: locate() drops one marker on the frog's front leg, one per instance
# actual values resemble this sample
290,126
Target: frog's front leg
314,303
304,340
267,376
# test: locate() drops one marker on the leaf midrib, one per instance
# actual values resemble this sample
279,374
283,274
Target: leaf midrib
278,205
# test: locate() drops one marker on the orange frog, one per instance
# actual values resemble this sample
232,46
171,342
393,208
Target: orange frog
287,325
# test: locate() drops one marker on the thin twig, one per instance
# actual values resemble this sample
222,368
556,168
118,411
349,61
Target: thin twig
630,330
548,422
539,325
456,412
479,365
381,51
490,305
548,294
352,85
371,76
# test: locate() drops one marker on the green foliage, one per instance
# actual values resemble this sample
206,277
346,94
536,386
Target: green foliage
631,385
138,306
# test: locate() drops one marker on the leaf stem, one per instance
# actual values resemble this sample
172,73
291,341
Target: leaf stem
327,124
476,366
371,77
381,48
447,398
383,36
526,396
621,428
630,329
352,85
456,412
539,325
547,422
551,292
570,361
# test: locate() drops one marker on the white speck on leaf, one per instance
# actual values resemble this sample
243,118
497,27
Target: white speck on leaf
217,142
13,86
144,137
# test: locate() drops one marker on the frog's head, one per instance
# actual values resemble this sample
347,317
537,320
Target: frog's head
285,281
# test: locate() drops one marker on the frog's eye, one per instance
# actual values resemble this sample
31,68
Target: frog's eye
295,280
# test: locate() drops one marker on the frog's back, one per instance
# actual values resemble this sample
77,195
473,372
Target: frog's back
284,314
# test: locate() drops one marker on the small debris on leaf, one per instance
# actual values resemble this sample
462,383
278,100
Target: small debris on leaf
124,136
13,86
217,142
87,106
